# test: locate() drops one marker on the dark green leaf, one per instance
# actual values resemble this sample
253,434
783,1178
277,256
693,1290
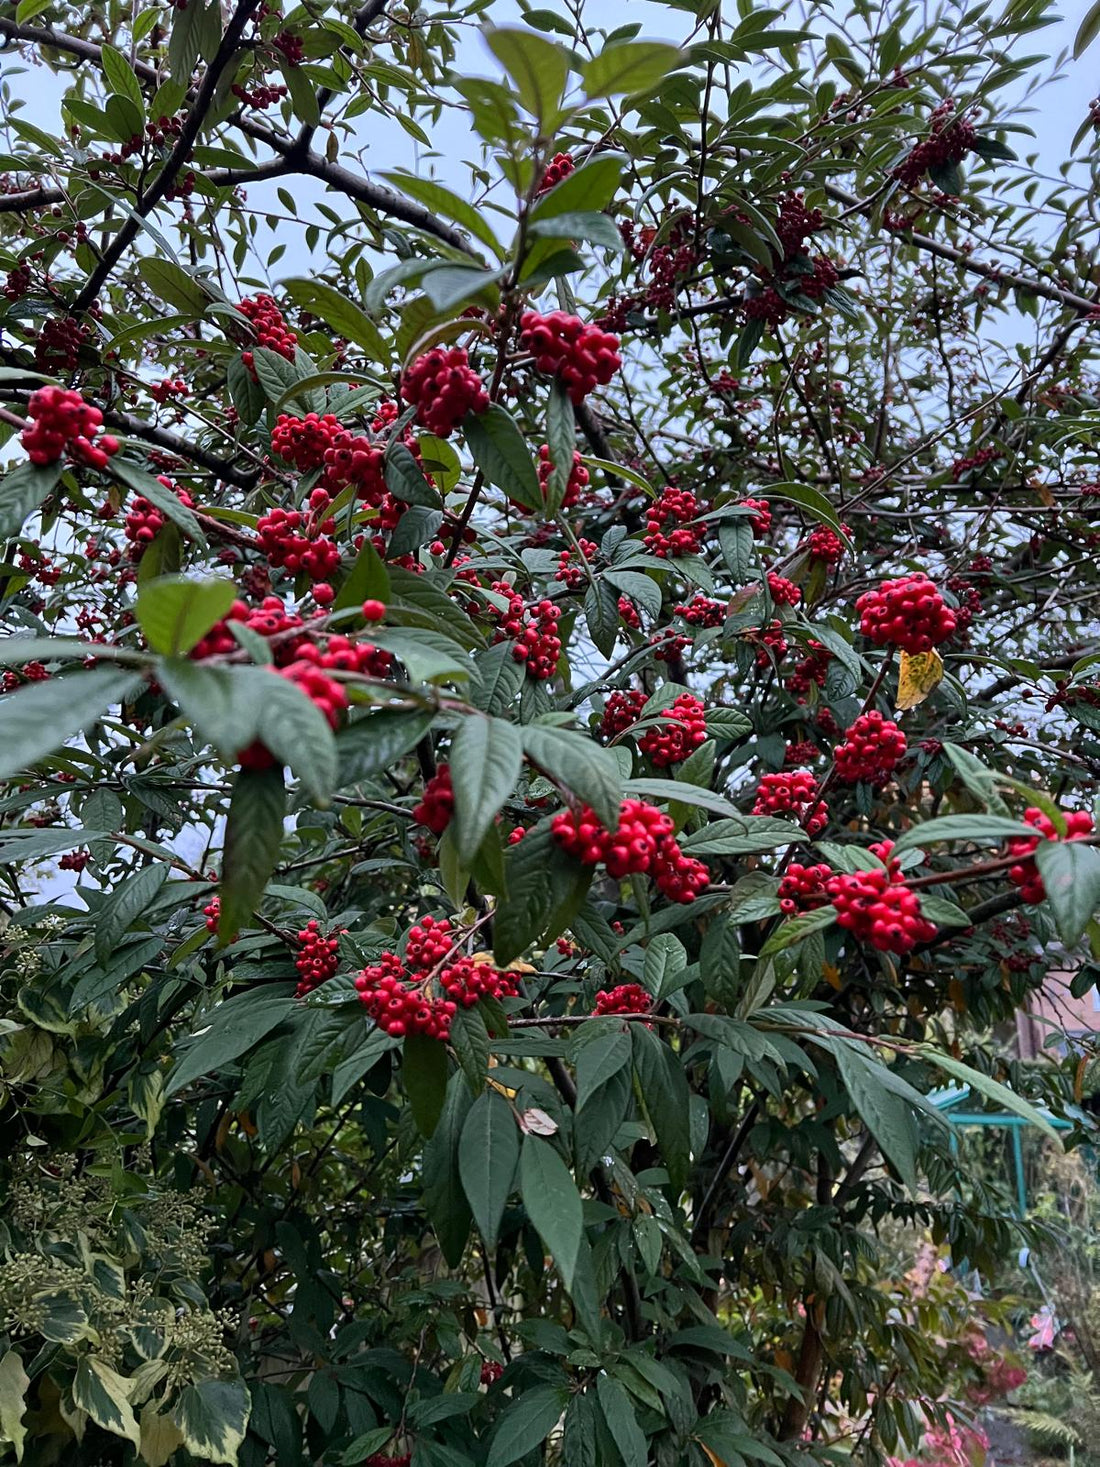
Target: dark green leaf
487,1156
253,835
38,718
486,760
553,1203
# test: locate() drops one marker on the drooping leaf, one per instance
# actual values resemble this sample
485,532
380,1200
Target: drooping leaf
485,763
175,612
253,836
553,1203
38,718
488,1153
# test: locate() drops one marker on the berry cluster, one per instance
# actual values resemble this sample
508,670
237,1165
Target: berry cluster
949,141
291,46
212,912
575,576
782,591
802,888
908,613
792,792
57,347
168,387
270,328
1025,874
622,711
303,442
642,844
443,388
397,991
317,959
811,671
802,751
583,357
261,97
74,861
702,611
872,748
437,806
533,631
144,521
61,421
559,167
268,620
760,521
878,906
825,545
300,541
492,1370
628,613
626,998
683,727
578,476
676,508
770,643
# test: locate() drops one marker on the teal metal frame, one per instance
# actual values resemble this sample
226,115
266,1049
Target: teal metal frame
954,1095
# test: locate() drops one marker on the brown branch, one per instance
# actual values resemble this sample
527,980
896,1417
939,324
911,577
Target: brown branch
192,126
994,273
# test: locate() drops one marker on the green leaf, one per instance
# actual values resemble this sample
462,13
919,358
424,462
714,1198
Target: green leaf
884,1113
667,1098
1071,877
124,905
213,1417
105,1395
628,68
814,502
1087,31
588,188
228,1031
447,286
343,315
173,284
175,613
553,1203
405,478
14,1382
601,615
599,1059
23,490
376,742
160,497
561,439
487,1155
992,1089
539,69
735,539
444,1199
424,1070
689,794
665,961
447,205
986,830
429,656
486,759
622,1421
253,836
500,452
794,930
591,772
121,79
979,780
526,1424
38,718
597,229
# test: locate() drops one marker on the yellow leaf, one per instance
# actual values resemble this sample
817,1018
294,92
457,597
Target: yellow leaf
920,672
712,1457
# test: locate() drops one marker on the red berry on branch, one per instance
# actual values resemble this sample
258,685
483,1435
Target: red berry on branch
582,356
437,806
443,388
872,748
908,613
